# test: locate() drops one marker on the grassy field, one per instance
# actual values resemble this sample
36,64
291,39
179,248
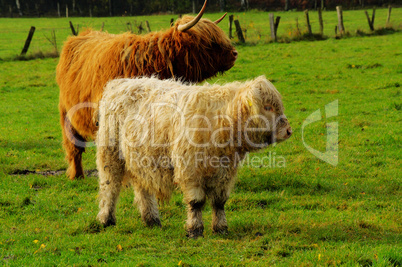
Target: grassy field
255,25
306,213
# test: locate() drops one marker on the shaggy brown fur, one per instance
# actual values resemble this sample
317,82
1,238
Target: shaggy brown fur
162,134
91,59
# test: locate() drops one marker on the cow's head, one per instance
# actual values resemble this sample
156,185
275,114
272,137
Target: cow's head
201,48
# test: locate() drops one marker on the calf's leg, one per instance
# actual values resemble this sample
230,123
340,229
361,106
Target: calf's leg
218,197
195,200
148,206
111,172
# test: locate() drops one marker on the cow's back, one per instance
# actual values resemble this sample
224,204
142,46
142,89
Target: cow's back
86,63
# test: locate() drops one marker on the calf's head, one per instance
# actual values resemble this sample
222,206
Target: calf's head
266,122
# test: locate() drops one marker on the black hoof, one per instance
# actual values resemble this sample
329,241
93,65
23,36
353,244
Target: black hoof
220,230
195,233
153,222
109,222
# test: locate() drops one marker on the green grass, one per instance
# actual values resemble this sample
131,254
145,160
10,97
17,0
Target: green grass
306,214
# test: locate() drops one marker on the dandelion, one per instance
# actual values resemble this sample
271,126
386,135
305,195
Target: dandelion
119,247
41,247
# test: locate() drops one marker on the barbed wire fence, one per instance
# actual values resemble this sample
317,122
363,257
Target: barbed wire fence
48,41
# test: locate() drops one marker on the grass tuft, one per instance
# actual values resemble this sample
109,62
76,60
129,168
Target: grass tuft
26,202
93,227
36,55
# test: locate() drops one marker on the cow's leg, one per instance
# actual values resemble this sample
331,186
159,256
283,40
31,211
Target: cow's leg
194,197
111,172
148,206
73,150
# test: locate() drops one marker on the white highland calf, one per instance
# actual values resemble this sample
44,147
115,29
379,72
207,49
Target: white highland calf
159,135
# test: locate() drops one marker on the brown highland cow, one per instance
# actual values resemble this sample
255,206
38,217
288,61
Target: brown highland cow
193,50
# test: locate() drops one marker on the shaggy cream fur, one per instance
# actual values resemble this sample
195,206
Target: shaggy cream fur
159,135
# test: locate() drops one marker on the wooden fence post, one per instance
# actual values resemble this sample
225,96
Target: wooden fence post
389,14
129,27
274,26
370,21
147,25
341,27
321,21
140,28
239,32
66,11
28,41
230,26
277,19
72,29
103,25
308,22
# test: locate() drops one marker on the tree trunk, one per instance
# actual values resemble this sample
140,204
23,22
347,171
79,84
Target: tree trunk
222,4
37,9
110,8
17,3
287,2
244,4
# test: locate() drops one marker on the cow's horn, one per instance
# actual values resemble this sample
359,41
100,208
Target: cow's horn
190,24
219,20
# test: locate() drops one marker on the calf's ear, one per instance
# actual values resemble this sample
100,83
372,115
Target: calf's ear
259,83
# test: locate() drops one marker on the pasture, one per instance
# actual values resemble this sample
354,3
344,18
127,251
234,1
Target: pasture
305,212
